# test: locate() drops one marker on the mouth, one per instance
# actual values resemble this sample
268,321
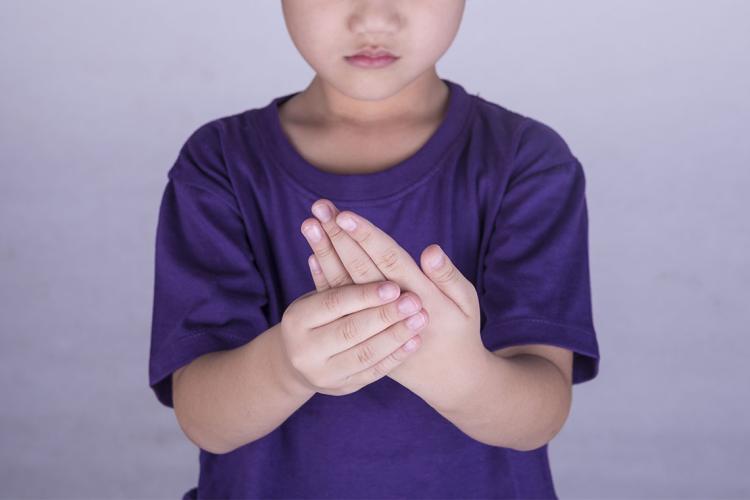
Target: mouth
373,53
371,58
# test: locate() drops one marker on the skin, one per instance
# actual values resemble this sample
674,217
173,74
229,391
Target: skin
517,397
417,31
346,116
352,112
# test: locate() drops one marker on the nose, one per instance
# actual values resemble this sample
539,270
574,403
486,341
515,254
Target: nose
375,16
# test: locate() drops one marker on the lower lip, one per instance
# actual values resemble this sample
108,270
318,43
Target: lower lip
370,62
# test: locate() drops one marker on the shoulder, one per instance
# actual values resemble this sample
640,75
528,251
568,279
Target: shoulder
209,143
524,143
202,160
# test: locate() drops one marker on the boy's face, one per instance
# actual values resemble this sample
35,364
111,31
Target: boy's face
417,32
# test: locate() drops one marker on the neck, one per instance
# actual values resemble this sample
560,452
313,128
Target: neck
423,98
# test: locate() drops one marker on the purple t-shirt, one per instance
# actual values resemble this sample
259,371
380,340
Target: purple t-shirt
500,192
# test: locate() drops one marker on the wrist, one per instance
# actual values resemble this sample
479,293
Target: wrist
474,377
289,378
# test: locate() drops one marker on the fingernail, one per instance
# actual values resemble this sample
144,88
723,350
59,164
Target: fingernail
346,222
414,322
322,212
411,344
407,305
387,291
313,232
437,260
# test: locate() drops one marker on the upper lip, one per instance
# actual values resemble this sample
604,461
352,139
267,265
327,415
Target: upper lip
377,52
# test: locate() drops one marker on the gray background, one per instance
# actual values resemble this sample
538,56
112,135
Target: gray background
96,98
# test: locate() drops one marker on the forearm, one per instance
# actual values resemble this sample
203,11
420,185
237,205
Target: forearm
519,402
226,399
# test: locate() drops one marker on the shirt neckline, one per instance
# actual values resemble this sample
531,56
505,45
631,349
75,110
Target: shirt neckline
373,185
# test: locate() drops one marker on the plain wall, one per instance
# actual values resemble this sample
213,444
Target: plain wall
653,97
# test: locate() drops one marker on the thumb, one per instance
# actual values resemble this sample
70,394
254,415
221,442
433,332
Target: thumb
449,279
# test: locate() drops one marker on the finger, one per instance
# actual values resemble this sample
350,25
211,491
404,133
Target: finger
391,259
449,279
355,329
333,270
358,264
321,283
333,303
386,365
367,353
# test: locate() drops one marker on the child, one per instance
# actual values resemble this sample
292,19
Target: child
299,385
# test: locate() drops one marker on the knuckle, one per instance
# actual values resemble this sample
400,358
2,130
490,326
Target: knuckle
379,370
398,334
447,275
365,237
348,329
324,252
359,268
341,279
336,233
332,299
365,354
396,357
365,294
384,314
389,261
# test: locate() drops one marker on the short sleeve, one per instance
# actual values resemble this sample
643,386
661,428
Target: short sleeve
208,292
535,285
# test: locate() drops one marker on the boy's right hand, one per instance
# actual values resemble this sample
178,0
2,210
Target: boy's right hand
341,339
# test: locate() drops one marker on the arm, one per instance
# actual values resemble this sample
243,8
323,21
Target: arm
226,399
518,398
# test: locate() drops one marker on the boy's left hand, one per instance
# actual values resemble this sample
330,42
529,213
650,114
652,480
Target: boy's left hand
451,342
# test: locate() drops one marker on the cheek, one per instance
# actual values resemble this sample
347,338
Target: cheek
321,45
430,41
436,28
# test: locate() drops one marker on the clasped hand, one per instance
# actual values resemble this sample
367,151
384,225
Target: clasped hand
349,249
